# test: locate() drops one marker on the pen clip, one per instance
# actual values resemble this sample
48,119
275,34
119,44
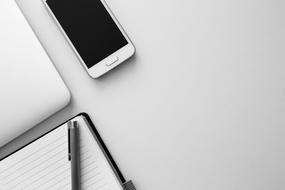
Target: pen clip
69,124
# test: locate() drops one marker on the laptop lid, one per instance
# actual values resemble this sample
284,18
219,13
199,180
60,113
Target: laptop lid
30,86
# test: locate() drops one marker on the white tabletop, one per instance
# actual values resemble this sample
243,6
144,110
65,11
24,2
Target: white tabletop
201,105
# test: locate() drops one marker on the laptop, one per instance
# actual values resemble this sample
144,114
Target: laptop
31,89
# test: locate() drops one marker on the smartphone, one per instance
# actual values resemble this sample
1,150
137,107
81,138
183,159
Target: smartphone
93,32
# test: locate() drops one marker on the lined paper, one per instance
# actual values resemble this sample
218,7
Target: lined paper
44,164
96,173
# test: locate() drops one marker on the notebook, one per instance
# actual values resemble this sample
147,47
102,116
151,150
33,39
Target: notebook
44,164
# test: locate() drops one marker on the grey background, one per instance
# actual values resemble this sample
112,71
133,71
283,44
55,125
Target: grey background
201,106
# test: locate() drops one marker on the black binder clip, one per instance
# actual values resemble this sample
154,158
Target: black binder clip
129,185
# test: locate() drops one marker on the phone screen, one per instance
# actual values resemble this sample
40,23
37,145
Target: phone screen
90,28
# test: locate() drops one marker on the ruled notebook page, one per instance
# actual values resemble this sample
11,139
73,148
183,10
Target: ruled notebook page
96,173
42,164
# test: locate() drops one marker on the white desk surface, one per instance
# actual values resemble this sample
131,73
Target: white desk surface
202,104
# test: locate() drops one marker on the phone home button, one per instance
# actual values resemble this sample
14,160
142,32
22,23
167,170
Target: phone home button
111,61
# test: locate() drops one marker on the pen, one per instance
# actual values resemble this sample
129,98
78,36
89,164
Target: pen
74,154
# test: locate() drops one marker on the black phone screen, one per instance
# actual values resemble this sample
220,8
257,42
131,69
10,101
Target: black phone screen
90,28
